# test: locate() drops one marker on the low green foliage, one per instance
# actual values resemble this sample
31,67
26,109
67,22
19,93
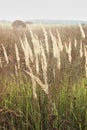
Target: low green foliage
20,111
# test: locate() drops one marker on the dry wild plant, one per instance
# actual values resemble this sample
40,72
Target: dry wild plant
34,79
85,54
44,65
5,54
37,52
29,55
42,85
46,38
17,56
36,47
16,70
26,43
56,50
59,41
75,42
81,50
27,51
82,31
68,50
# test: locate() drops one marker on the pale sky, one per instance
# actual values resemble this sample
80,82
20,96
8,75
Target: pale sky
43,9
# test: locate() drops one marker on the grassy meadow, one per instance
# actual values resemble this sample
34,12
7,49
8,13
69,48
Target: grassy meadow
43,77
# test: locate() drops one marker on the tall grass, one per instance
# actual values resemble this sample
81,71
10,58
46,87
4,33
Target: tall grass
43,81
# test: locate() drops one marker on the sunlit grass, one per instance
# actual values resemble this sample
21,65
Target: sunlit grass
43,83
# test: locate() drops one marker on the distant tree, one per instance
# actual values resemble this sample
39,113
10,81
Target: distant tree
18,24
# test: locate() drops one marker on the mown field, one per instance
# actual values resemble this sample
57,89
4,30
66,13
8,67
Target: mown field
43,77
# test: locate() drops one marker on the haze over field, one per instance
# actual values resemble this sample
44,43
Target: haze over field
43,9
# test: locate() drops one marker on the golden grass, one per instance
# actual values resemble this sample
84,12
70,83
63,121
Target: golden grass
38,45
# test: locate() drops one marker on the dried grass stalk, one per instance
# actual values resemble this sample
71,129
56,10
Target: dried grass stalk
59,41
43,86
36,47
75,43
56,50
68,50
46,38
5,53
27,51
29,55
44,65
16,71
27,46
82,31
81,51
17,56
85,54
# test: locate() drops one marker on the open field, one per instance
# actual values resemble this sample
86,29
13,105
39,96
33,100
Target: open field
43,77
